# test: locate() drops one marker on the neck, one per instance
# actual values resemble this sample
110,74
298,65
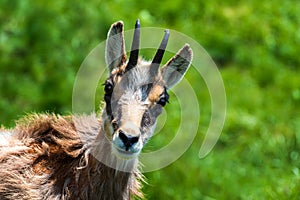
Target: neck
108,176
102,151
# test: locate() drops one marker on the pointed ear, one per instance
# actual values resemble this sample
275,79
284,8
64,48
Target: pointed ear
177,66
115,50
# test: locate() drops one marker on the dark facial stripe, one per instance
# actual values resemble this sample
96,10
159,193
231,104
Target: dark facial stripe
146,119
145,90
108,89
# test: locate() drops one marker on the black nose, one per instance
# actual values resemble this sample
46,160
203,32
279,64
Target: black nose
128,140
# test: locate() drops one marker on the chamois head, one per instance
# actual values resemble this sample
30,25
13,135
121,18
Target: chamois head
136,90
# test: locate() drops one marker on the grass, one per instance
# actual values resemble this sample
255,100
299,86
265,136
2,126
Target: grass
255,44
257,156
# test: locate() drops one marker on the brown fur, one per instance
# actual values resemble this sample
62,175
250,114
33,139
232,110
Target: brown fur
48,157
52,157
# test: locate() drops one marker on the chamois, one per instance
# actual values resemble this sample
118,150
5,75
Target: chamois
49,156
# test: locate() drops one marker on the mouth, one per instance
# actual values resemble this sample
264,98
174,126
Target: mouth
126,155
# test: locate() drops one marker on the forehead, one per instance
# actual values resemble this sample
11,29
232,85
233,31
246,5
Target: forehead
141,81
139,76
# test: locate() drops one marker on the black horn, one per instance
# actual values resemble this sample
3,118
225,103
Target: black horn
134,54
160,52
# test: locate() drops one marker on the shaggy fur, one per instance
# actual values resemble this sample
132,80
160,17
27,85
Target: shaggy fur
52,157
49,157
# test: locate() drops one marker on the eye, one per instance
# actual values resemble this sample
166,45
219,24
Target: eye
114,125
108,87
163,98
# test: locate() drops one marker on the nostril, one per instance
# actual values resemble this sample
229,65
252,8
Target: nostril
122,136
128,140
134,140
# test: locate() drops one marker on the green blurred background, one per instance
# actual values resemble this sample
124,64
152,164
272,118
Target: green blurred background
255,44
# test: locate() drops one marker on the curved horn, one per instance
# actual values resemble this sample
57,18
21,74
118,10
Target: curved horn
134,54
160,52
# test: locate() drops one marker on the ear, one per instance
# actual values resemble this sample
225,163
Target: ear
115,50
177,66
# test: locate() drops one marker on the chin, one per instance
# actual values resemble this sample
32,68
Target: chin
124,155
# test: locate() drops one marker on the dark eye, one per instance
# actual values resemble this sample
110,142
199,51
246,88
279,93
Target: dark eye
108,87
114,125
164,98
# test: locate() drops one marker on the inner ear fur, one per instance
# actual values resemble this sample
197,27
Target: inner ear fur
115,54
177,66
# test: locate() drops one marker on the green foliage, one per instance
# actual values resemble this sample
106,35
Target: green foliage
255,43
